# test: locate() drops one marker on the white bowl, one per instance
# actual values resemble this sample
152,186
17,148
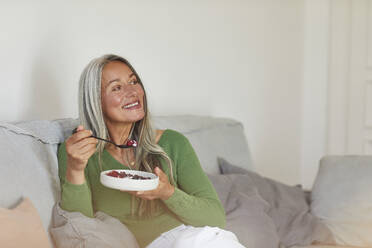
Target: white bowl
129,184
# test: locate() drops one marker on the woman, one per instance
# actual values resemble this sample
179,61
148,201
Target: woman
113,105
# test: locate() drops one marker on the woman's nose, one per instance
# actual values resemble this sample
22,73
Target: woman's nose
130,91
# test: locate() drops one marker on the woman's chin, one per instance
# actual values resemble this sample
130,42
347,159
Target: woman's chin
128,117
134,118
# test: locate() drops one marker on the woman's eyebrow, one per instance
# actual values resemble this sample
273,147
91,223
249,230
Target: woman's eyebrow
118,80
113,80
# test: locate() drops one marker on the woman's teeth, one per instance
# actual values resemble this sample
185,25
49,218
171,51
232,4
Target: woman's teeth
131,105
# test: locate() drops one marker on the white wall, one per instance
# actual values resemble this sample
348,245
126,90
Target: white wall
239,59
315,87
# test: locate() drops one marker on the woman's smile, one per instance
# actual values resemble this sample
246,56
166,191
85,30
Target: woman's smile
132,106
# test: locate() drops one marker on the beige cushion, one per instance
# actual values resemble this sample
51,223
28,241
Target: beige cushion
341,198
22,227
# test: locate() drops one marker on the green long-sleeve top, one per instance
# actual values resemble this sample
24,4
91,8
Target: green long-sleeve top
194,201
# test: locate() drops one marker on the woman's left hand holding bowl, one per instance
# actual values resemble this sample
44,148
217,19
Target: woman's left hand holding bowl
163,191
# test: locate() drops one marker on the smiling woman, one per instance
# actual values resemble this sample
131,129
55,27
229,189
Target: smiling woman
184,206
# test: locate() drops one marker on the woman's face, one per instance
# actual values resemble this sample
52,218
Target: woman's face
121,94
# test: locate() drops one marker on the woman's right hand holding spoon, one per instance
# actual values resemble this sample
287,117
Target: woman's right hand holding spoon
79,147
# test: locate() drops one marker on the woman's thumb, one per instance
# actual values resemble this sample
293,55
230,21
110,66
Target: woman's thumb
159,173
77,129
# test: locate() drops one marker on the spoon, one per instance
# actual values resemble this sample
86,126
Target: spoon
129,144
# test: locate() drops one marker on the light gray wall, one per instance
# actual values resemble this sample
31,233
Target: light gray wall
239,59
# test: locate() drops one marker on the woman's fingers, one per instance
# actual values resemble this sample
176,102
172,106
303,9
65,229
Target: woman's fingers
80,147
80,135
79,128
163,191
77,148
147,195
88,150
162,176
87,141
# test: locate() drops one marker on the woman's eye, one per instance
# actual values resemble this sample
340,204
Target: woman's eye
116,88
133,82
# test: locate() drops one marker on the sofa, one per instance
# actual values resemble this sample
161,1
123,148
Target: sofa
260,211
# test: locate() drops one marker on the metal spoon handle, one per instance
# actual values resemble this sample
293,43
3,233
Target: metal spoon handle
120,146
103,139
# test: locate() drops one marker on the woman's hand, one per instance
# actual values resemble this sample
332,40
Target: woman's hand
163,191
79,148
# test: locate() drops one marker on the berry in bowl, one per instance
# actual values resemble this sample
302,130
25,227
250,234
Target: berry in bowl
129,180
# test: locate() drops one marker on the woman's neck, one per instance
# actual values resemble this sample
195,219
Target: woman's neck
119,133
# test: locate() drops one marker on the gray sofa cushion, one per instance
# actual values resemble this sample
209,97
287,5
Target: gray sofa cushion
342,198
288,208
211,137
29,169
246,211
73,229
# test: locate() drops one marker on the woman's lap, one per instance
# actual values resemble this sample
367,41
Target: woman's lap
196,237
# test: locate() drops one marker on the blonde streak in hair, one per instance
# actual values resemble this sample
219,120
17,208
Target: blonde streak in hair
152,207
147,166
95,99
169,162
81,100
133,198
152,147
100,148
141,207
141,148
159,151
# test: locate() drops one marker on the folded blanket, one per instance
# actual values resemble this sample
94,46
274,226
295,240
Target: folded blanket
285,206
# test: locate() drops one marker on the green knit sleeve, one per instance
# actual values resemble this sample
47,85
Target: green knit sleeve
74,197
194,201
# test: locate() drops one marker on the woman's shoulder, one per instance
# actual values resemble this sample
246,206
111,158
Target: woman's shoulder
170,136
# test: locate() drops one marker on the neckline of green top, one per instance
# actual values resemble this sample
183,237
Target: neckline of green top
108,155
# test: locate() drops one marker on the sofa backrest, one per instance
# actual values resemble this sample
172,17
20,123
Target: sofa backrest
211,138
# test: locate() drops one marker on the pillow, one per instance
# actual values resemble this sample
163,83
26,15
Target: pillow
73,229
227,168
246,212
22,227
287,208
341,197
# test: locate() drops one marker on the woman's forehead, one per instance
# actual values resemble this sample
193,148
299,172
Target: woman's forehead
116,70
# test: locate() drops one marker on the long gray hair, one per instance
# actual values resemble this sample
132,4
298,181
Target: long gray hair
148,153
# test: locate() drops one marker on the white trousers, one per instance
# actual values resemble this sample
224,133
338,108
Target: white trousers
196,237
